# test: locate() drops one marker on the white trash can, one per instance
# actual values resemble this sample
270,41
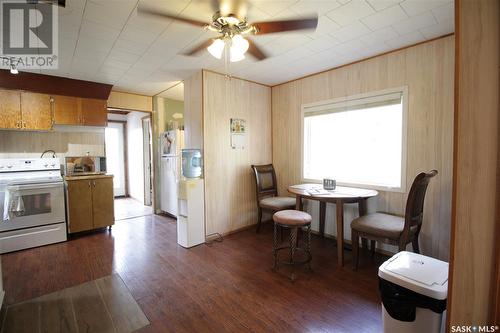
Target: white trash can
414,289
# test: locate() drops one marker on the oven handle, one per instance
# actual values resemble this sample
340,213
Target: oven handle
33,186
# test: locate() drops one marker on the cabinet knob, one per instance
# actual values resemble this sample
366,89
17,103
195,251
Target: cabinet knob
89,184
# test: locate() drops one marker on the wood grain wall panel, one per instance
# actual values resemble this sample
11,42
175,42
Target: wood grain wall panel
229,183
127,101
427,70
193,111
476,194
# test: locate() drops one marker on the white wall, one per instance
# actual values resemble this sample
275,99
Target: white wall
135,155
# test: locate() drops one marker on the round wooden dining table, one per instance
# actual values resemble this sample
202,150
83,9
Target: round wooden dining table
339,196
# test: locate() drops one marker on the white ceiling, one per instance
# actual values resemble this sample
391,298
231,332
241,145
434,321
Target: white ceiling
106,41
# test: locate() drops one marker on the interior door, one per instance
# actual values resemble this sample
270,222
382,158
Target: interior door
36,110
80,205
146,139
102,202
10,109
115,156
94,112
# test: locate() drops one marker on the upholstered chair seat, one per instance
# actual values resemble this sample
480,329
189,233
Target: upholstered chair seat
277,203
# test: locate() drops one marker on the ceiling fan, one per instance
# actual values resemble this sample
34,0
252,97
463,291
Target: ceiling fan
231,23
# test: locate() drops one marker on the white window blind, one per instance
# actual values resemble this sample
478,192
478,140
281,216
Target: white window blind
358,140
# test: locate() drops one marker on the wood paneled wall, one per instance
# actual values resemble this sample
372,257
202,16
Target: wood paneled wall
476,196
229,183
193,111
127,101
427,70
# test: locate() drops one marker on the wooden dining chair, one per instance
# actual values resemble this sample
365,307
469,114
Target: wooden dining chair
267,192
391,229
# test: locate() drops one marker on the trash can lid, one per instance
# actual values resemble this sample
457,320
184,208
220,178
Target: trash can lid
421,274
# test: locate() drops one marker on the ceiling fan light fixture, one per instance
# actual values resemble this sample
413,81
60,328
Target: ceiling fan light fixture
235,56
216,48
239,44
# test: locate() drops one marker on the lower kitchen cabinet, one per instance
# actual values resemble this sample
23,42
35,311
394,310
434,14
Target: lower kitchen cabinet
90,202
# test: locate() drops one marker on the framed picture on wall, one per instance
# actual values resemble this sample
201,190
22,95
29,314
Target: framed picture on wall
238,133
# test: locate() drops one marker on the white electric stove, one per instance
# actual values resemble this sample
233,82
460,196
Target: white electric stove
31,203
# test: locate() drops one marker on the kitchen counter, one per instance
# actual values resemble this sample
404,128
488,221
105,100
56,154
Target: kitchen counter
97,176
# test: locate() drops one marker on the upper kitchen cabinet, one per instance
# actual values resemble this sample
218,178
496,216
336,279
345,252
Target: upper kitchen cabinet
94,112
25,110
36,111
66,110
79,111
10,109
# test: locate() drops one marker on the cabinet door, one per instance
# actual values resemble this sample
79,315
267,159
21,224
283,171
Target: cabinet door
10,109
79,205
36,110
103,202
94,112
66,110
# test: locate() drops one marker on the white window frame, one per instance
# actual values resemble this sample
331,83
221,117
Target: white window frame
322,105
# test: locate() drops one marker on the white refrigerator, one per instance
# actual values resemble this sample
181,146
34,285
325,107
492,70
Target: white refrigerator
171,143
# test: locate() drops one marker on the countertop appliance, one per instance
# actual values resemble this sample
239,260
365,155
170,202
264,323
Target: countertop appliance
84,165
171,143
31,203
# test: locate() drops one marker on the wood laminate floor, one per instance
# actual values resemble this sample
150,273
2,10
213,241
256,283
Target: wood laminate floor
102,305
221,287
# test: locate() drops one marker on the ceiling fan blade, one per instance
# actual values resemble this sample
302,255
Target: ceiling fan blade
255,50
198,48
286,25
149,11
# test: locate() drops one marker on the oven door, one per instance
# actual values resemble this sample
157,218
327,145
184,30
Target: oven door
35,205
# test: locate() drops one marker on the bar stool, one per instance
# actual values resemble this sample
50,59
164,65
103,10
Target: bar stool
293,220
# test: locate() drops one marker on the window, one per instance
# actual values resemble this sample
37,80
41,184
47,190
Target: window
359,140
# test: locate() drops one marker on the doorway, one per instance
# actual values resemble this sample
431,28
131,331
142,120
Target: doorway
115,138
128,139
147,159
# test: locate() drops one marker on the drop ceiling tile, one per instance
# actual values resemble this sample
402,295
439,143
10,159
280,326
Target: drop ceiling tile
125,45
350,32
405,40
90,45
414,7
323,43
442,28
385,17
123,56
273,8
382,4
350,12
98,31
307,7
69,31
350,47
116,65
414,23
379,36
111,13
445,12
137,35
83,65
